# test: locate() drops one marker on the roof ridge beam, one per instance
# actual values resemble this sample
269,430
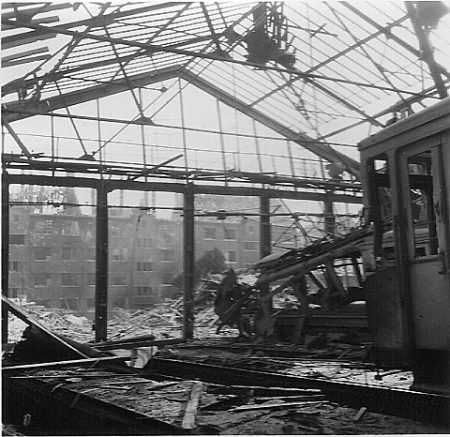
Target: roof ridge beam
87,94
319,148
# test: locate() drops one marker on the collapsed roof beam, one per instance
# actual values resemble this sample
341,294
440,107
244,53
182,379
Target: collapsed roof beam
333,58
153,48
319,148
390,35
86,94
426,50
13,40
53,76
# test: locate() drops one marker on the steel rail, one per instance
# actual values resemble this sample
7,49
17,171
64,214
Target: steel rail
403,403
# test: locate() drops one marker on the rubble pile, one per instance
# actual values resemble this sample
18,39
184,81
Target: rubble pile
163,320
61,321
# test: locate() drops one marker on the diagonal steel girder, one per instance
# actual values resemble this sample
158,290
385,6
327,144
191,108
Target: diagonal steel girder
153,48
13,86
404,44
333,58
319,148
427,51
88,94
11,41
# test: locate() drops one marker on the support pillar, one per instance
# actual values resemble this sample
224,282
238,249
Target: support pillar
5,255
264,323
264,226
330,220
189,263
101,265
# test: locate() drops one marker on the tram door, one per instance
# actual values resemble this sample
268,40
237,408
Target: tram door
424,230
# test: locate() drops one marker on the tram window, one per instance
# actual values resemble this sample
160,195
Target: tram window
381,208
421,208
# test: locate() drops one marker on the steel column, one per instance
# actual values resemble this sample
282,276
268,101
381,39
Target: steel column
330,222
264,226
5,255
101,265
188,263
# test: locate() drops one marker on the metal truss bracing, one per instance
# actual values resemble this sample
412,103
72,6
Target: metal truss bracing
316,74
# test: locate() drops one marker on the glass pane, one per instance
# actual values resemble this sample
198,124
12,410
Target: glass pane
421,205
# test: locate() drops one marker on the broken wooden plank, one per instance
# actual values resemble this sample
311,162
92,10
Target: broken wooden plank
61,363
269,406
260,390
192,406
289,398
359,414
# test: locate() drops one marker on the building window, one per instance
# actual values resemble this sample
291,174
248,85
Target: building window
42,279
251,229
119,254
120,279
250,245
210,233
231,256
70,304
117,230
68,253
42,253
39,226
167,234
91,254
18,239
90,279
70,227
14,266
144,242
229,233
167,255
13,292
68,279
144,266
167,277
48,226
144,290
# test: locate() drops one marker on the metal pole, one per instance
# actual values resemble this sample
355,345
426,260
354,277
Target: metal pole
5,255
189,263
263,320
101,265
264,226
330,222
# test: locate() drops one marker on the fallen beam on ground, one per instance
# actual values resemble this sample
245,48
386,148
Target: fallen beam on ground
425,407
62,363
130,343
25,317
192,406
68,412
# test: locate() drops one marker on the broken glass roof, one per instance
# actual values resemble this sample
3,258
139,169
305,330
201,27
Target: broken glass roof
321,75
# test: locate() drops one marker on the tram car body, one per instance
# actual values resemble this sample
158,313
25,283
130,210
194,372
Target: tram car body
405,170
